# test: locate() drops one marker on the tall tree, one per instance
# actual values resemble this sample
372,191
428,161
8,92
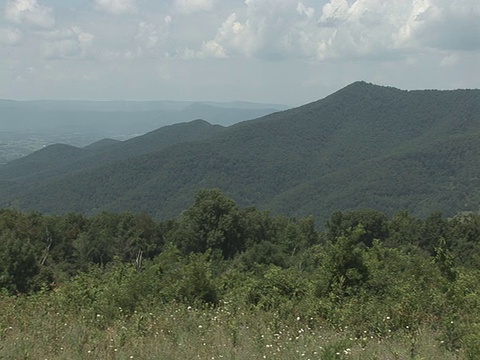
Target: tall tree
212,222
18,263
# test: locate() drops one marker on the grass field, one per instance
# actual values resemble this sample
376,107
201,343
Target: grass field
38,328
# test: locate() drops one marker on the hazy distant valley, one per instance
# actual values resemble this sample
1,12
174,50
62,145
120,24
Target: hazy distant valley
28,126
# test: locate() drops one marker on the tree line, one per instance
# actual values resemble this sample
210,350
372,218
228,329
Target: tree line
46,250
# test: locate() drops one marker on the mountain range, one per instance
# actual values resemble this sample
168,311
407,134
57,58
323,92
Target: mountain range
364,146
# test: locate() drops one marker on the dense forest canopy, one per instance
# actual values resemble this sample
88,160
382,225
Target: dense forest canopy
56,247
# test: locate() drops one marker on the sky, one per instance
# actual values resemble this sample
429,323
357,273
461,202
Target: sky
274,51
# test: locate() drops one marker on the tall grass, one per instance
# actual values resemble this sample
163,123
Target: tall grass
41,327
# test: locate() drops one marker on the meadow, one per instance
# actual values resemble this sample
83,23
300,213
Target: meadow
40,329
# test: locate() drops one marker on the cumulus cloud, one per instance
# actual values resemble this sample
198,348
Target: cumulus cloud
447,25
151,35
10,36
345,29
29,12
117,7
151,38
270,29
371,26
65,43
213,49
193,6
209,49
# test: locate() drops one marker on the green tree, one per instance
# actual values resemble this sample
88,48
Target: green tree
444,260
465,235
18,264
434,228
343,271
374,224
212,222
404,229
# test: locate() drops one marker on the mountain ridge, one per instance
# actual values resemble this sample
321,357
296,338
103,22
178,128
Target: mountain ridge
281,161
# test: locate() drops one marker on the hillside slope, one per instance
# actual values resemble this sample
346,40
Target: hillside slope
59,159
363,146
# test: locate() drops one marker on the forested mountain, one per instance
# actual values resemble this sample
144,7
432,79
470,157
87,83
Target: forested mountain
56,160
101,143
363,146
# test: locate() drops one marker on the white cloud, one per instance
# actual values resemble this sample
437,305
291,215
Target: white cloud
151,35
369,27
448,25
148,35
238,37
10,36
194,6
117,7
346,29
152,38
65,43
450,60
209,49
304,10
29,12
213,49
271,29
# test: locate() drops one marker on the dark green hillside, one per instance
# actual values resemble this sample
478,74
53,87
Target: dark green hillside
363,146
33,166
222,115
442,175
160,139
101,144
41,161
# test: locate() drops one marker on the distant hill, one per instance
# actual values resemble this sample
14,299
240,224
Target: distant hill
120,118
59,159
223,115
102,143
363,146
43,160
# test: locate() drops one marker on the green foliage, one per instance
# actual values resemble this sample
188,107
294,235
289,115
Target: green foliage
18,265
196,282
404,230
278,288
435,228
373,223
212,222
444,260
464,243
344,270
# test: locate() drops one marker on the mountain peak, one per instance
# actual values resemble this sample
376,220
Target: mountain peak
361,85
364,90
